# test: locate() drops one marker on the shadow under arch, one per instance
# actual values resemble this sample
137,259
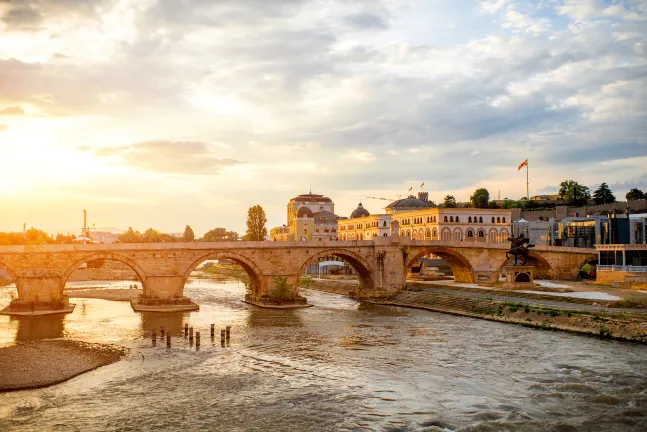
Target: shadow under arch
110,256
254,272
590,259
359,264
543,269
461,267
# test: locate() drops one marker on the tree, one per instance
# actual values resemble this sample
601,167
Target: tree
431,203
573,191
220,235
256,220
603,195
635,194
130,236
450,201
480,198
188,235
492,205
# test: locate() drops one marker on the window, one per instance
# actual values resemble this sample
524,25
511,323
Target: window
457,219
469,219
481,233
470,233
451,218
316,230
386,235
492,219
446,219
480,219
503,220
498,220
322,218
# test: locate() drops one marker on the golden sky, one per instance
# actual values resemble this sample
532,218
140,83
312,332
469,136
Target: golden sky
162,114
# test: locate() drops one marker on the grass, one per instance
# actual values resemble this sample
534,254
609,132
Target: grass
630,303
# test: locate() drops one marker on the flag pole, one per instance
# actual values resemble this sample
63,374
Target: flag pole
527,182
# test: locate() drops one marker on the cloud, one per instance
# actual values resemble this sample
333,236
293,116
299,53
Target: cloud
367,21
492,6
12,111
166,156
3,127
23,16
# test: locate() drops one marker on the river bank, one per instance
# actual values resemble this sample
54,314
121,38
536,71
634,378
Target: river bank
564,316
45,362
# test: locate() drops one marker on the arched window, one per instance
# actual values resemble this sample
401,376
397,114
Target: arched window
445,218
498,220
457,219
408,233
503,220
384,224
492,219
385,235
493,236
469,219
481,233
322,218
480,219
428,234
451,218
361,236
434,233
470,233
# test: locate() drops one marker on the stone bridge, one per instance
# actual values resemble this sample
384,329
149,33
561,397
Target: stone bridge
41,271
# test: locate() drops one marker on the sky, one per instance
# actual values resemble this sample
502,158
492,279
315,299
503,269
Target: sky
163,113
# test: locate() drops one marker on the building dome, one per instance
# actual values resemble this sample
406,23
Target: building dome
304,212
409,203
360,211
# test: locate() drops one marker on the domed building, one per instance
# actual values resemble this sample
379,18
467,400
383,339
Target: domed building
409,203
360,211
310,216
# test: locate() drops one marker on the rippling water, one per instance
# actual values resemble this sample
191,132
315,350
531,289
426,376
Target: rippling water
340,365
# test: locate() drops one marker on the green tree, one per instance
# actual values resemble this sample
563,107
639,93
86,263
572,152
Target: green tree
480,198
492,205
188,235
603,195
256,220
635,194
130,236
573,191
450,201
220,235
431,203
282,290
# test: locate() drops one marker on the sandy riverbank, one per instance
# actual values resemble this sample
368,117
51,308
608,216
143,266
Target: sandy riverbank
115,294
45,362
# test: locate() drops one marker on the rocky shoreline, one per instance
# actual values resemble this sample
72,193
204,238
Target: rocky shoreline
616,325
42,363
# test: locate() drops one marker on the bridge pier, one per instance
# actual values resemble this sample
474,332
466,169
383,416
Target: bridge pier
39,295
163,294
278,292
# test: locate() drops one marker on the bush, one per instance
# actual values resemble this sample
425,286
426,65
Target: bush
305,282
282,290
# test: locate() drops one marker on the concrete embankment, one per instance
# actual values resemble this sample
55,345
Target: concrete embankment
625,326
45,362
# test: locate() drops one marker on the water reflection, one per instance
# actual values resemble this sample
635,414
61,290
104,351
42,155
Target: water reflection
259,317
172,321
39,327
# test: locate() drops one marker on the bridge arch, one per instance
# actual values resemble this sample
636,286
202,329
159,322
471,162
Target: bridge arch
8,271
590,259
460,265
359,264
543,269
253,271
111,256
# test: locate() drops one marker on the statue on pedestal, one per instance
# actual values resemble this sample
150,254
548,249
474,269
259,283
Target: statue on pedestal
518,248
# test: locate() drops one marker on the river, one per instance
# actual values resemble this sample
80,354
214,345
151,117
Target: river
339,365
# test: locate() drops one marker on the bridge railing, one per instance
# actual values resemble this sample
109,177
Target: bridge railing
631,269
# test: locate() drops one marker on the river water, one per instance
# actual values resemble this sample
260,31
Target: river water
339,365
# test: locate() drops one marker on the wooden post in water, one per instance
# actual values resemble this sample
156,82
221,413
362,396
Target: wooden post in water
222,337
168,340
228,331
161,331
190,334
186,329
213,330
154,336
197,339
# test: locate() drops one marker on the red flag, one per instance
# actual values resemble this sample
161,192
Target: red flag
411,188
523,164
423,183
